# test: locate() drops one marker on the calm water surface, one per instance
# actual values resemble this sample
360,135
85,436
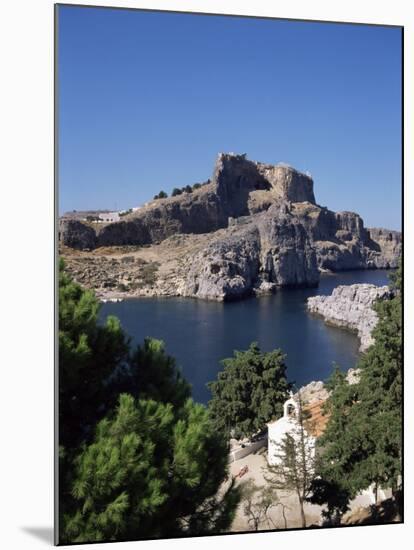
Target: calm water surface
199,334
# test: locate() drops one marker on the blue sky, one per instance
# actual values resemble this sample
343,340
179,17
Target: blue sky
147,100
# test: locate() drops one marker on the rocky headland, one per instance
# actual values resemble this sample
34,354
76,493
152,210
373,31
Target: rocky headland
350,306
251,229
317,392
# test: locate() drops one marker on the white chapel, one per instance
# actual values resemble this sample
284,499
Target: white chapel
286,425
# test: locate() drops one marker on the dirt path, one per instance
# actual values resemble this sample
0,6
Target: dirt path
288,501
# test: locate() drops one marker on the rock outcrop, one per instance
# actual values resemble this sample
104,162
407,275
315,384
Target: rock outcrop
316,391
226,269
76,234
313,392
269,250
239,187
350,306
264,230
388,249
342,242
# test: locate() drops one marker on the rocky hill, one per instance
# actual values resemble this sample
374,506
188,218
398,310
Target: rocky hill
239,187
253,228
350,306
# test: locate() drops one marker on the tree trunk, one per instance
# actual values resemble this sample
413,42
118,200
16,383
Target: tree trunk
302,512
284,516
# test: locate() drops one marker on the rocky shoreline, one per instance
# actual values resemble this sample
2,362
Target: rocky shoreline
350,306
161,271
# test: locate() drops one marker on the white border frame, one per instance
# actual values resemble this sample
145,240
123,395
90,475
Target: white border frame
26,280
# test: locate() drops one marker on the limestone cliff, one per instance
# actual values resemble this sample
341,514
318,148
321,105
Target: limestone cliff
268,250
233,192
388,247
263,229
350,306
76,234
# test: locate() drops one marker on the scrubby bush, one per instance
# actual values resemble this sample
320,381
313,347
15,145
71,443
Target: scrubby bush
161,195
149,273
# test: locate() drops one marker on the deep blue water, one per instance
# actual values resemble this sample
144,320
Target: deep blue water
199,333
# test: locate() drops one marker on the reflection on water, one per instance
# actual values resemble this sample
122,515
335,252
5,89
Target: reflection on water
199,334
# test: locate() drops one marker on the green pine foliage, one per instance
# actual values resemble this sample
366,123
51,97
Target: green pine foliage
380,392
153,374
339,449
119,472
150,472
249,391
332,496
137,458
362,443
88,354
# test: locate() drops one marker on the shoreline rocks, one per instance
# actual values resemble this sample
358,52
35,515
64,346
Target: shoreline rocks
350,306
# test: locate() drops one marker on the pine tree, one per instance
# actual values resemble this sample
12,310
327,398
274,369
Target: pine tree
249,391
151,471
154,466
96,364
338,449
153,374
380,393
332,496
88,353
362,444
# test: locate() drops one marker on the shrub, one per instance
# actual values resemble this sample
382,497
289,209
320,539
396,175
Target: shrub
122,287
125,212
149,273
128,260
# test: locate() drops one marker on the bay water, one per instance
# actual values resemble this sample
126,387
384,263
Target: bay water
200,333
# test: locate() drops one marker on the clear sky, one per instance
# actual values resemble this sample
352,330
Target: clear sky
147,100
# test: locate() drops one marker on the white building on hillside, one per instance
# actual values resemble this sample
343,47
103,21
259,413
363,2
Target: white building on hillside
314,425
288,424
109,217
